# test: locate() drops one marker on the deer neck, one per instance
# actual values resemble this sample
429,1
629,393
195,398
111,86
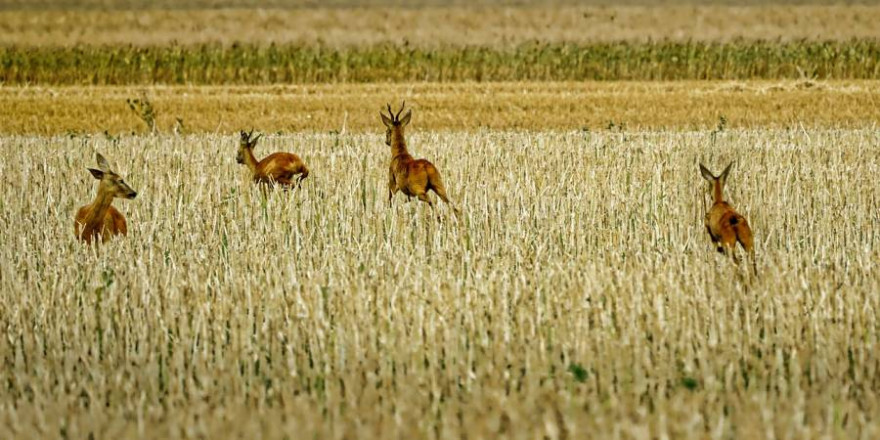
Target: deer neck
250,160
716,191
398,143
94,220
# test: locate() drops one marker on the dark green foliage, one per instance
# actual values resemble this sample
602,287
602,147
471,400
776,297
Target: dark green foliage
689,383
579,372
280,64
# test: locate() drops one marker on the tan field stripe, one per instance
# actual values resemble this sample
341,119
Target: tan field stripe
527,106
433,26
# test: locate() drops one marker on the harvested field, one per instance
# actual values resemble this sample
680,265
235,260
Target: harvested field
577,294
457,106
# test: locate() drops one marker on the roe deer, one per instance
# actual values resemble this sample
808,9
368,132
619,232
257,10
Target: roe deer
99,218
405,174
278,167
726,227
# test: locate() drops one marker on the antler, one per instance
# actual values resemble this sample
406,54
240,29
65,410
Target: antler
390,112
397,116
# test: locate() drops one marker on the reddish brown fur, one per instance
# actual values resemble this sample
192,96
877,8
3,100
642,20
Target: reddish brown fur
412,177
99,218
725,226
113,224
280,168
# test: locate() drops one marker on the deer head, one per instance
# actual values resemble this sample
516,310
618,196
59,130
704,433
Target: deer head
111,183
717,182
246,144
711,177
395,122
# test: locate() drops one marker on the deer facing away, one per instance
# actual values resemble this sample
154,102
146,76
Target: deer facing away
726,227
280,168
99,218
412,177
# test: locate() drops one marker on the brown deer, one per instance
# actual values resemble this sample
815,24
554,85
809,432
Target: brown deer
278,168
99,218
405,174
726,227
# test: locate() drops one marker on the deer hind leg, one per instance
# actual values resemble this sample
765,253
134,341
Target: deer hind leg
441,192
745,238
436,185
424,197
726,243
731,249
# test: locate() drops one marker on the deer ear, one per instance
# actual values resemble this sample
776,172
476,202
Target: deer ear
102,163
724,173
706,173
405,119
97,173
386,120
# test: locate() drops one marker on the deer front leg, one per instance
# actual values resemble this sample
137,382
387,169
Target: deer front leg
715,241
284,182
392,186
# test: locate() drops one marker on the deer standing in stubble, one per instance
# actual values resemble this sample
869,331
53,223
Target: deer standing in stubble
412,177
726,227
279,168
100,218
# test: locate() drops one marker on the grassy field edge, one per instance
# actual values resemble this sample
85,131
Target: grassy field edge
302,64
538,106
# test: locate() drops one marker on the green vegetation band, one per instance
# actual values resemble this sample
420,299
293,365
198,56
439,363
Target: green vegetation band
273,64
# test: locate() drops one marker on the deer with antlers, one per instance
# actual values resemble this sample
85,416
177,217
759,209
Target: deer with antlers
412,177
279,168
726,227
99,218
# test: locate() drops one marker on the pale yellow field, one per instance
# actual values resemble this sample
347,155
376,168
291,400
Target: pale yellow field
457,106
577,295
435,25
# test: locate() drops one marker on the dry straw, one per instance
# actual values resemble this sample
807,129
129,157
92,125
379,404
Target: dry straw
576,295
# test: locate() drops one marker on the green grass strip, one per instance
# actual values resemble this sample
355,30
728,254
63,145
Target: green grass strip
273,64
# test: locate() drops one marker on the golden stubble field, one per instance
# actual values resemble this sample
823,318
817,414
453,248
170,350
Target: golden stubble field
534,106
576,296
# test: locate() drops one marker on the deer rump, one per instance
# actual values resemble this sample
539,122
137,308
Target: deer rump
414,177
727,227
